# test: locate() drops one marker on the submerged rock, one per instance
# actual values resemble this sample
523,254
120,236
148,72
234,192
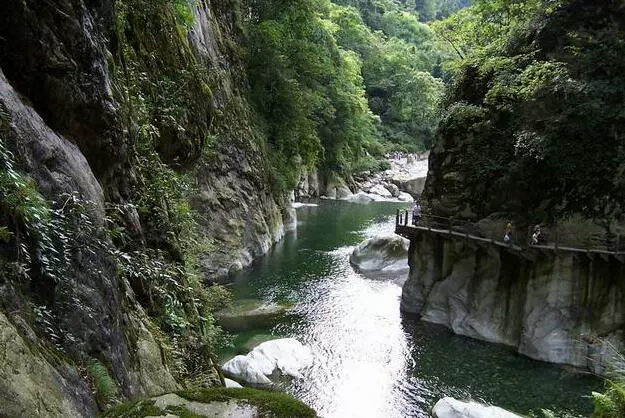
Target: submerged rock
385,254
249,314
453,408
286,355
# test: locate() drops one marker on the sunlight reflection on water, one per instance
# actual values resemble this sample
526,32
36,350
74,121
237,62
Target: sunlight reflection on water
369,360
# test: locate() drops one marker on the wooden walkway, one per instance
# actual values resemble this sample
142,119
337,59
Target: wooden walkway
528,250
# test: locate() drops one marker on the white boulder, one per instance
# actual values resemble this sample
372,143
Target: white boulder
298,205
244,368
393,189
232,384
286,355
453,408
384,254
343,192
380,191
405,197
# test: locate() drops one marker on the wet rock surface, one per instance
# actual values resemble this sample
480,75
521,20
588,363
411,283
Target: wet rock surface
384,255
286,355
60,120
215,403
247,314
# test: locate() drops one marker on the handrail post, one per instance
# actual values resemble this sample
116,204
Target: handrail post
406,219
397,217
556,244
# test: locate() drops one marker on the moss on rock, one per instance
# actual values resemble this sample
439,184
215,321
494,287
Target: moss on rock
216,401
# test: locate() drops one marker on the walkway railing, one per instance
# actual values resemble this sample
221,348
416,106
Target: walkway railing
551,238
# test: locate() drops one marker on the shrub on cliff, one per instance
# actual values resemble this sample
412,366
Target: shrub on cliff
533,121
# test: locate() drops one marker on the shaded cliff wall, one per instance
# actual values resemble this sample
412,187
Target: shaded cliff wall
551,308
99,102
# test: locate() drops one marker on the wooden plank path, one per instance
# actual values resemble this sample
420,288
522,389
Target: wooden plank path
408,231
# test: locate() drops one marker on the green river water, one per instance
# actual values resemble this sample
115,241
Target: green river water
369,359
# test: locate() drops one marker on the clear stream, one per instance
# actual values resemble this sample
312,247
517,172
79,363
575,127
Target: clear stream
370,360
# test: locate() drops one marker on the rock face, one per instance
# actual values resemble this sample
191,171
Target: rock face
412,186
286,355
387,254
25,375
453,408
89,300
550,308
63,119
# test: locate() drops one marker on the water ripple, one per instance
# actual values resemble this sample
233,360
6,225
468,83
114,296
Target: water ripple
369,361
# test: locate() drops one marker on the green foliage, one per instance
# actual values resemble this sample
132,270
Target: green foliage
544,107
183,11
106,389
488,26
166,107
308,90
398,63
164,90
611,403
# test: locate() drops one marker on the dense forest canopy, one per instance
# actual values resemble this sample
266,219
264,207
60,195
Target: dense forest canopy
538,89
339,84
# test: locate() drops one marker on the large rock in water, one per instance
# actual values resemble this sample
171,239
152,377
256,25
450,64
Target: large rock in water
386,254
453,408
286,355
412,186
380,190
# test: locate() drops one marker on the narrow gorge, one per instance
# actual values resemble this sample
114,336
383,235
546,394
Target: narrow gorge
198,200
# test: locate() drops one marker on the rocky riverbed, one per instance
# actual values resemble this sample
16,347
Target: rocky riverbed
402,182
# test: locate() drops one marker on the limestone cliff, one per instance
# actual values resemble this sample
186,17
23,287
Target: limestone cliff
104,106
551,308
519,142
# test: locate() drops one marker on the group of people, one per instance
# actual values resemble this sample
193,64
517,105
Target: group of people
507,237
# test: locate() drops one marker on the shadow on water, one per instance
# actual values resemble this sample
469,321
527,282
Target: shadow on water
370,361
451,365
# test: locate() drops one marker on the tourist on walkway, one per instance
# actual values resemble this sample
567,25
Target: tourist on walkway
416,213
536,235
507,237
